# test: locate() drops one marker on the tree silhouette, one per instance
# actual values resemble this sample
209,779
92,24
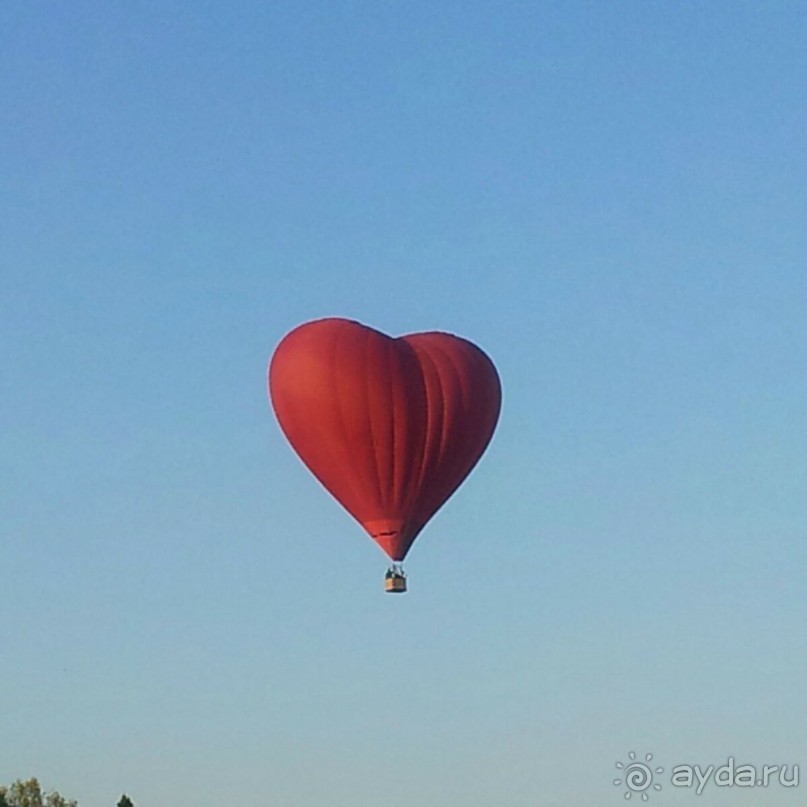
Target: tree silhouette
30,794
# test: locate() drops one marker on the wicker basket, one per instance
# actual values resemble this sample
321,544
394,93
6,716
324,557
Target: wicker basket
395,585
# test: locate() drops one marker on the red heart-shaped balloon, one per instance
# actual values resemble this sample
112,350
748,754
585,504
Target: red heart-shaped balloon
390,427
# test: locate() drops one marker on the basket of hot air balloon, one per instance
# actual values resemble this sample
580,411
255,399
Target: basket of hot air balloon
390,426
395,580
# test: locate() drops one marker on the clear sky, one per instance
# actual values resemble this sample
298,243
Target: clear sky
609,198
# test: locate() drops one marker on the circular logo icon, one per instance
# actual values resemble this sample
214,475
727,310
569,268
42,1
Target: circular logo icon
637,777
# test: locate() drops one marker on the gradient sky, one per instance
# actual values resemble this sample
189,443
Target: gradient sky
609,198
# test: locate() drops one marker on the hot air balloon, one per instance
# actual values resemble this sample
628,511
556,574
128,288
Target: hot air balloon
390,426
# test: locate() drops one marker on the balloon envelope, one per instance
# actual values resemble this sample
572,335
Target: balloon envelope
391,427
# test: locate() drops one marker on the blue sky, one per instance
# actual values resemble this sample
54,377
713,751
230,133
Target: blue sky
609,198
